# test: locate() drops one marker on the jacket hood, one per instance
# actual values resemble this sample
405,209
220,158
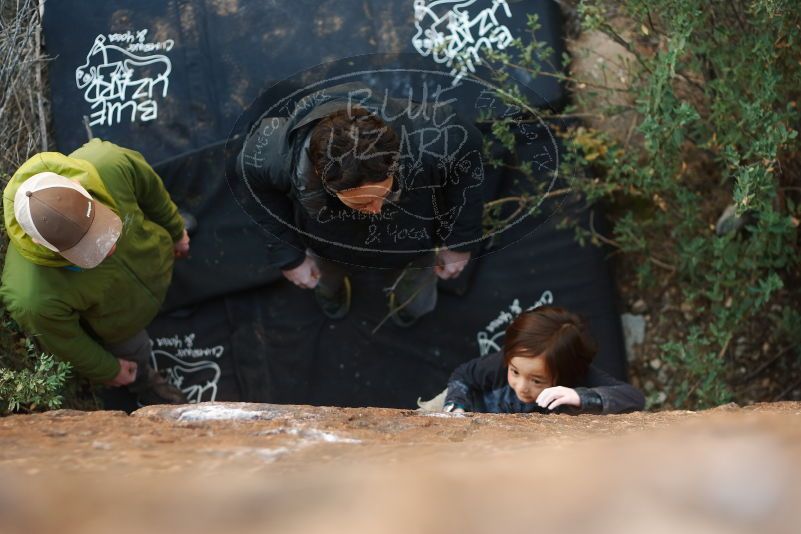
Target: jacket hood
75,169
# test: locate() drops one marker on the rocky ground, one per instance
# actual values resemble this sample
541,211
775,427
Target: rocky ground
256,468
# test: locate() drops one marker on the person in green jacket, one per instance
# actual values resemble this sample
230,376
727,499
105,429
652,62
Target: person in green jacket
93,239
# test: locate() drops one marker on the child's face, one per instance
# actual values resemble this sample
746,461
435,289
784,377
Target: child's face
528,377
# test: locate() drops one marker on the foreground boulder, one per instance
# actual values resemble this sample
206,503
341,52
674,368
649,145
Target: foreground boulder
229,467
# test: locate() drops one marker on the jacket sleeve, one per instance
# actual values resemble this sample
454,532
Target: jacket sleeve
462,179
266,197
57,330
152,196
604,394
471,379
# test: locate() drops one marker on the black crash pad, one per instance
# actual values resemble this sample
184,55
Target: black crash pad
172,78
271,344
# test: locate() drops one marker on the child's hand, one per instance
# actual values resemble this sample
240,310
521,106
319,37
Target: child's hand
558,396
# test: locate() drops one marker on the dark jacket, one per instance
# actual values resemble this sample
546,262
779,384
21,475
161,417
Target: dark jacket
481,385
436,198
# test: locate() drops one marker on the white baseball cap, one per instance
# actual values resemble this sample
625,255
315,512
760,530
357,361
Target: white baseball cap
58,213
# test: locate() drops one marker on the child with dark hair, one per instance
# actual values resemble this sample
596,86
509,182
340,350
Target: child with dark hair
546,366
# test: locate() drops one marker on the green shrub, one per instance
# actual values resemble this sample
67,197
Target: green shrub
712,96
29,379
38,384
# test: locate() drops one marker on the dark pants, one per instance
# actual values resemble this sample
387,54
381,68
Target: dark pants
135,349
415,286
149,386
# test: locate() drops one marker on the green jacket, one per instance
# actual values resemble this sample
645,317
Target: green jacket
71,312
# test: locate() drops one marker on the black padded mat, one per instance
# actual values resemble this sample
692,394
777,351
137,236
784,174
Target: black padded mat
228,251
171,78
271,343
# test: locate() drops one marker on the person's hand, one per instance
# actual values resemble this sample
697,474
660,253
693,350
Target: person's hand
450,263
306,275
126,375
181,249
553,397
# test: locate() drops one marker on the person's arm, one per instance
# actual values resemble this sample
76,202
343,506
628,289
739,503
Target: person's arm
152,196
461,210
462,187
57,330
600,394
267,197
471,379
605,394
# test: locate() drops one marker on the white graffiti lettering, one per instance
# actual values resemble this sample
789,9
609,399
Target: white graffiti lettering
489,340
454,38
197,379
121,85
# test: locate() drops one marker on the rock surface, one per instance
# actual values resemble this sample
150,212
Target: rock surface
633,333
230,467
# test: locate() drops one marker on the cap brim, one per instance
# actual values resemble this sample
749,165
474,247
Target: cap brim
96,243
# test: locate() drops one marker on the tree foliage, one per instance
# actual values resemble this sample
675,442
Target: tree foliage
712,89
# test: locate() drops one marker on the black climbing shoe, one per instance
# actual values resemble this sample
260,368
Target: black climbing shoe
399,316
335,307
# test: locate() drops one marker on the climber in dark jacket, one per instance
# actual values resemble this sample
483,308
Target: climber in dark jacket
352,178
545,367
